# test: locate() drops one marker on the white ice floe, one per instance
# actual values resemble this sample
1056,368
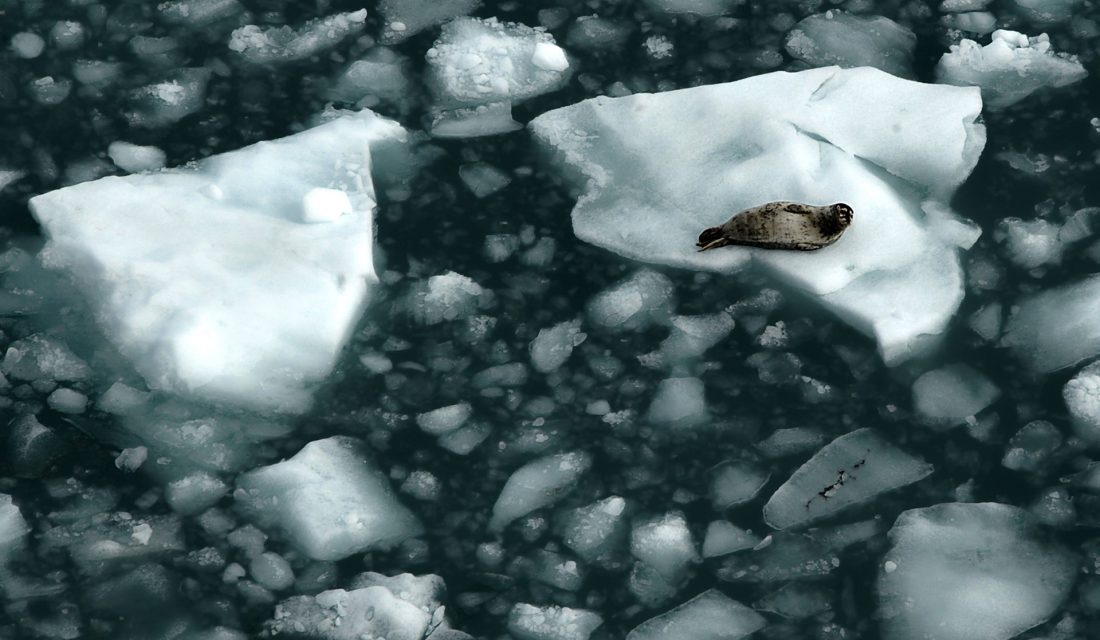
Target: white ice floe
654,170
710,614
208,277
1082,398
329,499
1056,328
275,45
950,395
1008,69
970,572
538,484
529,622
853,469
478,68
847,40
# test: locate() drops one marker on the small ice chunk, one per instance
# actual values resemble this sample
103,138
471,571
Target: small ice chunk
67,401
194,493
970,572
121,399
329,499
780,557
847,40
483,179
134,158
1031,243
982,22
278,45
445,297
538,484
500,246
49,91
946,397
27,45
164,103
552,347
853,469
550,57
131,458
709,615
271,571
1047,12
471,122
1082,397
67,35
665,543
1054,329
1008,69
594,33
789,442
1031,447
444,419
465,439
736,482
381,75
958,6
986,322
198,13
12,526
723,538
704,8
679,402
529,622
40,357
402,19
796,601
9,176
259,316
691,336
513,374
594,532
109,540
647,297
321,204
370,612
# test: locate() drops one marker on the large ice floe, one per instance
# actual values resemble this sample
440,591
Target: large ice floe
1008,69
478,68
237,279
653,170
970,572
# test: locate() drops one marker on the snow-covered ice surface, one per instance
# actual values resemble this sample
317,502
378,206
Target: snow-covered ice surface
276,366
646,169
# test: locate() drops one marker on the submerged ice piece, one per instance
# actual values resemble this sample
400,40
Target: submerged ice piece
277,45
850,470
653,170
970,572
1056,328
235,280
1008,69
710,614
478,68
329,499
846,40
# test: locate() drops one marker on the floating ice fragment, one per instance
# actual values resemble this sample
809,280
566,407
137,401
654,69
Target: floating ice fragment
40,357
275,45
847,40
1031,243
1082,397
679,402
552,347
27,45
404,18
948,396
974,21
483,179
134,158
665,543
370,612
1031,447
853,469
1008,69
710,615
476,63
67,401
12,526
329,499
796,601
238,301
444,419
645,298
706,8
956,6
736,482
970,572
8,176
449,296
165,103
1056,328
528,622
381,75
1045,12
656,169
786,556
594,532
198,13
538,484
723,538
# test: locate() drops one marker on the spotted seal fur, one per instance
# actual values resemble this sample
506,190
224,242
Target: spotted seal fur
781,225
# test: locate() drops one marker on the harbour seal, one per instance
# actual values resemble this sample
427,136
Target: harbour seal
781,225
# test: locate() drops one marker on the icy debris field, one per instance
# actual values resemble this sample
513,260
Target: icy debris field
384,320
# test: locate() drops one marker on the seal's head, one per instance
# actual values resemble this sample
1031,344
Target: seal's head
843,215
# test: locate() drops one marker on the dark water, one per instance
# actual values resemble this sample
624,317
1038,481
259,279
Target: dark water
442,227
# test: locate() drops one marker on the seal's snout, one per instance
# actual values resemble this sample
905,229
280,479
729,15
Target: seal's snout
844,213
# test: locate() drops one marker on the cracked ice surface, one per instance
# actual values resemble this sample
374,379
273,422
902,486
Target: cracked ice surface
656,169
209,278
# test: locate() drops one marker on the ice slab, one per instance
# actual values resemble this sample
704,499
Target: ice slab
329,499
1008,69
711,615
476,63
847,40
277,45
209,279
853,469
653,170
538,484
970,572
1056,328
